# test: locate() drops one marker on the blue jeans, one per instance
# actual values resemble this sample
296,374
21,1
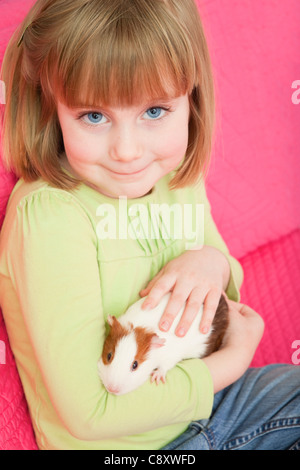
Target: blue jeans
261,411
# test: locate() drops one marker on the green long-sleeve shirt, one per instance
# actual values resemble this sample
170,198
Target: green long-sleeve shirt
67,261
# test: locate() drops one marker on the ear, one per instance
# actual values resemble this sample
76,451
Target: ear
111,319
157,342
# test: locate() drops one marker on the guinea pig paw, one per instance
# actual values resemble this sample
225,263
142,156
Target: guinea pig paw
158,375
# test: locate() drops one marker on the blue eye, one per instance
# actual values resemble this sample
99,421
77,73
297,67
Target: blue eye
94,118
154,113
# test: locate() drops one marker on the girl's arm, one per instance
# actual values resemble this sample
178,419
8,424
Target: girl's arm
242,338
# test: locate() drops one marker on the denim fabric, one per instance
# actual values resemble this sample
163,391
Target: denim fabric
261,411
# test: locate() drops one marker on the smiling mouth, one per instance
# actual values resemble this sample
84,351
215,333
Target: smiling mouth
133,173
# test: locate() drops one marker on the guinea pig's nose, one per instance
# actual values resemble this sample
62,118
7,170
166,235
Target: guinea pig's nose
113,389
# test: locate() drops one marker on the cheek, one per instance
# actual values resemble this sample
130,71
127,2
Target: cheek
78,147
173,148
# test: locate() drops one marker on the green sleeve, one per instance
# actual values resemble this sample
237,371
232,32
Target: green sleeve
213,238
52,259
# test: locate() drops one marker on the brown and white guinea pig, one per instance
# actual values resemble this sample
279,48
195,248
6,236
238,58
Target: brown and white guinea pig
136,349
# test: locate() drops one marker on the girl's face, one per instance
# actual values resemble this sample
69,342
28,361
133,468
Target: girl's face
124,151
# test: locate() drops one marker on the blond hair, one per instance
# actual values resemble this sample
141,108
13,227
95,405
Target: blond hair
87,52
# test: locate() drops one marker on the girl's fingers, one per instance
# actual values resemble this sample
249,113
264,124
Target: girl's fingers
209,310
192,307
175,304
158,289
145,292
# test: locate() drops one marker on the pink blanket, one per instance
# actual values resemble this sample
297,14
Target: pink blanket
254,183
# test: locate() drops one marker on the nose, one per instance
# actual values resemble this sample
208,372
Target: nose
125,144
113,389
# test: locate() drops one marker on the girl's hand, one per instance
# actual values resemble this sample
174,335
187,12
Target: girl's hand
195,277
240,342
245,328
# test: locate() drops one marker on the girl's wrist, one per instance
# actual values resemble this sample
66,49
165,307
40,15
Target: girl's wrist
227,365
226,269
226,274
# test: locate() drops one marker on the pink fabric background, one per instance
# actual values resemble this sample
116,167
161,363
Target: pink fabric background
254,182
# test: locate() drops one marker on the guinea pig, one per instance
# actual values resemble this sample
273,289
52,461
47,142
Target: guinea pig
135,348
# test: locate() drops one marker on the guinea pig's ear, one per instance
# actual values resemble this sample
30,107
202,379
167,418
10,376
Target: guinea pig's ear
110,320
157,342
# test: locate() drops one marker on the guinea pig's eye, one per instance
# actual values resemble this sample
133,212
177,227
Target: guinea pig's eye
134,365
109,356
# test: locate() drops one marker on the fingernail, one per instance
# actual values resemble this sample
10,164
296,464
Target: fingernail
180,332
204,330
164,326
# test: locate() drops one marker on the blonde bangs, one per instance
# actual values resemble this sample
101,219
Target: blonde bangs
126,60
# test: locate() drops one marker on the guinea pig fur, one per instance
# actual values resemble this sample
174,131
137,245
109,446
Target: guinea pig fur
136,349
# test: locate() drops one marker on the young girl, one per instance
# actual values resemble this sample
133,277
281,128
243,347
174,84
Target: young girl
109,114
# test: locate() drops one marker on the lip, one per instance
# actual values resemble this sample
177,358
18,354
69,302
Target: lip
129,174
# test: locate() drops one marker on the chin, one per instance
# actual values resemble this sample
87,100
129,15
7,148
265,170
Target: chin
135,193
140,194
